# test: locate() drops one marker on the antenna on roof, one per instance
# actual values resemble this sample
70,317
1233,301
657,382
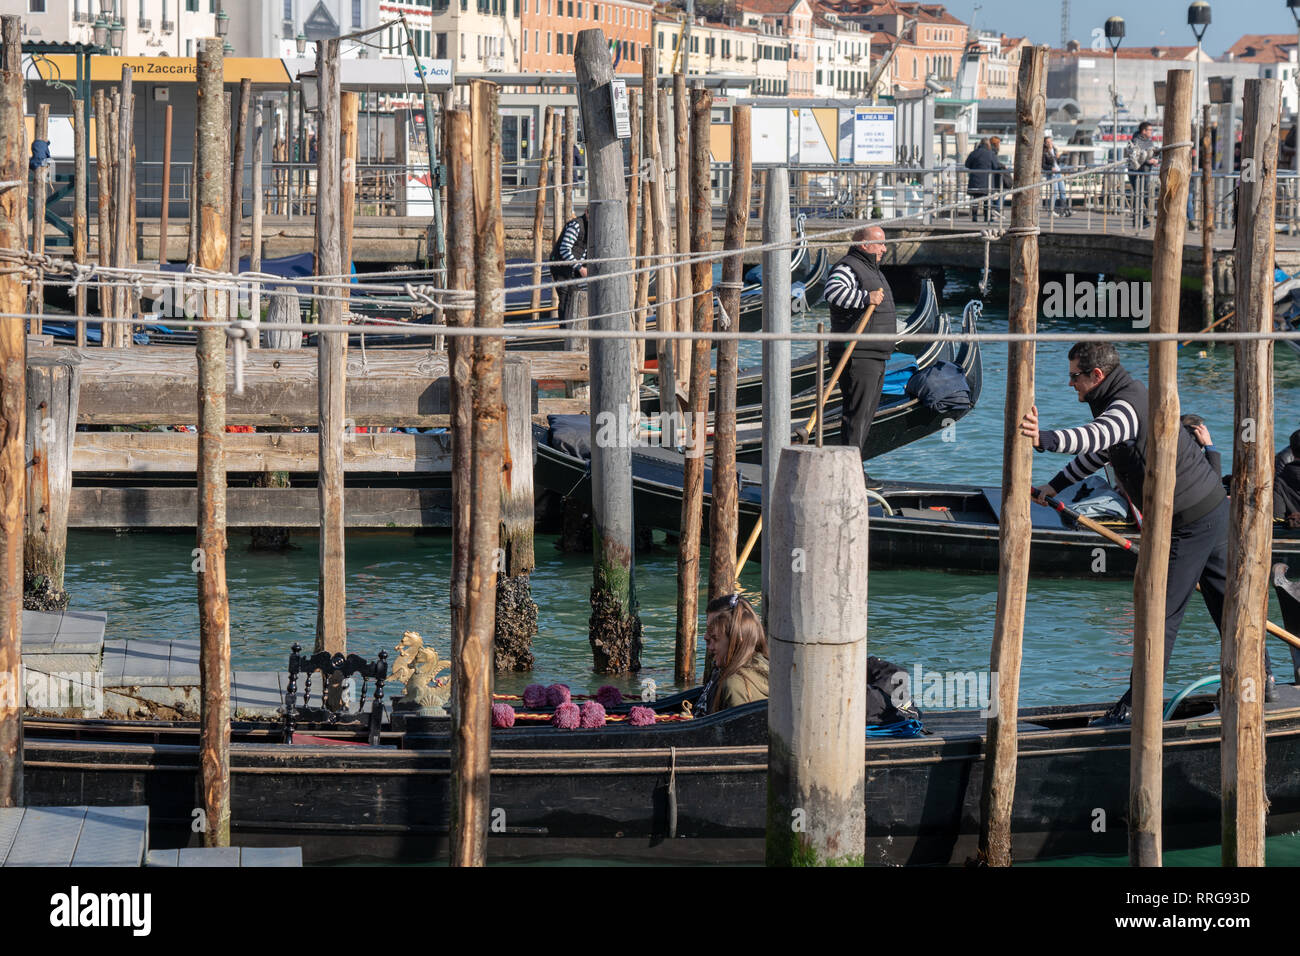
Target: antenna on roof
1065,23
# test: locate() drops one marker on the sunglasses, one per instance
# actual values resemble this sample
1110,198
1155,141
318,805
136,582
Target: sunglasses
1074,375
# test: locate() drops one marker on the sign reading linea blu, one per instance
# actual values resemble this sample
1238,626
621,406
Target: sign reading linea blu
75,909
873,135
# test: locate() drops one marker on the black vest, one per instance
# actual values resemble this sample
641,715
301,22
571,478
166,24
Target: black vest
883,320
1197,489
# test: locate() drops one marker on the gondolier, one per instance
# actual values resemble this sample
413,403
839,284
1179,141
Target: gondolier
1118,435
855,283
567,260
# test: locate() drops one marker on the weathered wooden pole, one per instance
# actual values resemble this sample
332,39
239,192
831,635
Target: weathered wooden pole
665,276
52,393
1146,755
103,207
817,639
41,185
1017,463
13,404
350,146
331,351
615,633
642,310
1207,220
164,212
192,236
1250,537
255,243
724,514
688,553
214,598
634,168
682,192
516,612
539,206
776,354
570,147
460,276
557,178
122,204
80,239
472,660
237,175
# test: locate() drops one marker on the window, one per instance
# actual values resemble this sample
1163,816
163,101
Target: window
480,46
579,9
570,7
537,41
189,47
661,40
192,6
442,46
548,41
356,13
516,9
524,37
568,43
595,11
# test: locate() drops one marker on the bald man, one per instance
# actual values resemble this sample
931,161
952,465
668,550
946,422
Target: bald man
855,284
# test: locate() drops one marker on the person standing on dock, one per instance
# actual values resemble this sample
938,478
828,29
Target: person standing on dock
567,260
1117,435
856,282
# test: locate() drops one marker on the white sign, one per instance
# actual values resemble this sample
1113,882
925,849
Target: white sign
873,135
621,107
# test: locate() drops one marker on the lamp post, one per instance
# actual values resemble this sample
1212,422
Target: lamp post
100,32
115,33
1114,36
1198,18
1160,98
300,42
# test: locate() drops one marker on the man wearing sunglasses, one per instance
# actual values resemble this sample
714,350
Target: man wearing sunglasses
1118,436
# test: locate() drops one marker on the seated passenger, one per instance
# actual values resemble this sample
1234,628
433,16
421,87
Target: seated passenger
1286,484
735,638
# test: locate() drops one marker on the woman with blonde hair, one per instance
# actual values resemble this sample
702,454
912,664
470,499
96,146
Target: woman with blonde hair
736,641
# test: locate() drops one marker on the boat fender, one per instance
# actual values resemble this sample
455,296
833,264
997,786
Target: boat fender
672,794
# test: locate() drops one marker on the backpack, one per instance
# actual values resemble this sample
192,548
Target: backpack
888,695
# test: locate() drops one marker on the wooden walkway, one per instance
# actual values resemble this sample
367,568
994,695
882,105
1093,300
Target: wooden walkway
227,856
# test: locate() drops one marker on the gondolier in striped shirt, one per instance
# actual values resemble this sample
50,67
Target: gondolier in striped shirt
1118,436
855,283
567,260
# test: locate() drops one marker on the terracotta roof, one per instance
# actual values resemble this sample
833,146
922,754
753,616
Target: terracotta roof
1262,48
767,7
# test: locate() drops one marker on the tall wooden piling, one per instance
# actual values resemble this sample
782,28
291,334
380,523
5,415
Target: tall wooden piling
192,234
516,612
634,169
237,175
255,242
615,631
214,598
331,620
665,276
557,176
103,207
817,639
688,553
13,404
472,661
1245,606
122,238
80,239
539,205
724,514
682,192
460,312
1017,463
1146,755
350,146
570,147
164,211
776,354
52,392
41,187
1207,220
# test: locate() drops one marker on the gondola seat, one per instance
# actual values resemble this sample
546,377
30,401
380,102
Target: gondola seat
330,705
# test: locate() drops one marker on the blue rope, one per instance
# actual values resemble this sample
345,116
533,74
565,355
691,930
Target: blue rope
908,727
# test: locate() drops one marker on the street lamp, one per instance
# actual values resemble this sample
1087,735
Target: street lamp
300,41
309,83
106,8
223,23
1198,18
1114,36
1160,96
115,34
100,32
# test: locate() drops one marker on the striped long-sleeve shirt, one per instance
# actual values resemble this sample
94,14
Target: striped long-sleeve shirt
842,289
1091,443
568,238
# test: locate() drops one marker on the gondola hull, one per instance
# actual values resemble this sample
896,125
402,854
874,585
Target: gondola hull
566,793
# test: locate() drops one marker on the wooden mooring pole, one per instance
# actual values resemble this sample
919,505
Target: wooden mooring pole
817,639
688,553
460,276
104,205
255,243
164,209
350,146
1207,220
472,661
776,354
122,238
331,350
214,598
41,189
539,205
1146,754
237,174
724,514
80,238
682,193
13,404
1250,536
1017,463
516,613
666,276
52,391
615,627
570,147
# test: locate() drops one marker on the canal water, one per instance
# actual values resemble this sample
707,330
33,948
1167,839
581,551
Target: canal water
1078,633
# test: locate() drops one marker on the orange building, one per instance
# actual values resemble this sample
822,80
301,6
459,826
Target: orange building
932,44
549,29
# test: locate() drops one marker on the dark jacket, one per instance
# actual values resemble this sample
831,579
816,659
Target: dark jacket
1197,487
1286,489
982,158
883,321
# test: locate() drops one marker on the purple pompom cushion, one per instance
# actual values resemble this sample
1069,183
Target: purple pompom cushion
567,717
641,717
592,715
503,715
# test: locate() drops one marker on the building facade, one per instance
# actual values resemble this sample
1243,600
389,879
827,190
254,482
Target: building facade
549,29
149,27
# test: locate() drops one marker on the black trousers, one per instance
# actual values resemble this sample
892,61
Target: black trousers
1198,554
860,393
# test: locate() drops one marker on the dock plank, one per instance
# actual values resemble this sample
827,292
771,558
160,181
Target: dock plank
270,856
10,819
146,661
40,630
113,836
47,836
257,691
163,858
184,664
113,661
81,632
209,856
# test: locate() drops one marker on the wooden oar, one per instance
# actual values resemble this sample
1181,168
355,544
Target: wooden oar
1212,326
1128,545
806,432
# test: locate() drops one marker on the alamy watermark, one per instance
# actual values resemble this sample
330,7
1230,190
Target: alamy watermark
945,690
54,690
685,431
1085,299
